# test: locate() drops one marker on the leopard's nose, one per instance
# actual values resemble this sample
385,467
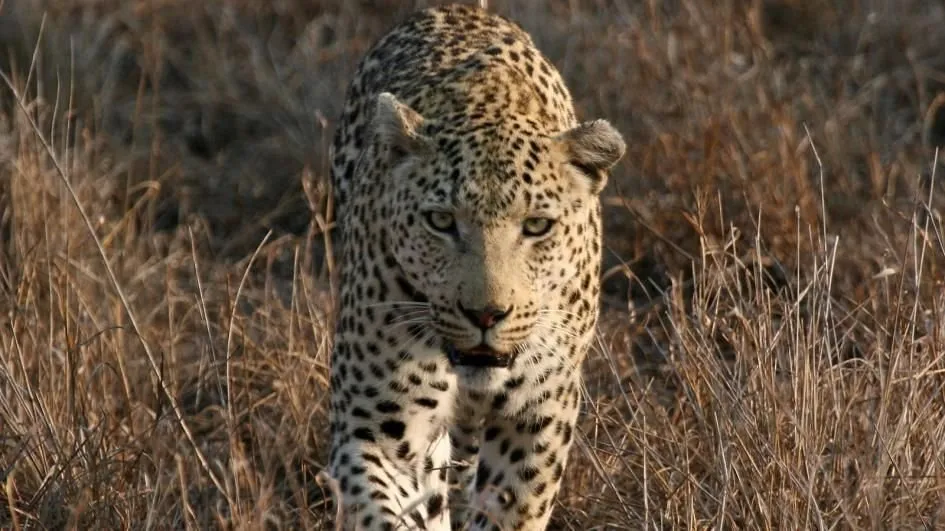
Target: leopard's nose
485,318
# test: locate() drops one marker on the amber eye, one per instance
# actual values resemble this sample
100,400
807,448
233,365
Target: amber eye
537,226
440,221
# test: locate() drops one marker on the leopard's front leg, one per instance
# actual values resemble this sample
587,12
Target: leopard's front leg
390,447
521,462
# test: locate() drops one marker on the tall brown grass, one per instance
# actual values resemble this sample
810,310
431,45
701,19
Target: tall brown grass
773,346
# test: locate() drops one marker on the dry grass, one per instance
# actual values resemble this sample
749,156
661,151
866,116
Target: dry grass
773,349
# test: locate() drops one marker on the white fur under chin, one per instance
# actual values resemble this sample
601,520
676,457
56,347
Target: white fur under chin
481,379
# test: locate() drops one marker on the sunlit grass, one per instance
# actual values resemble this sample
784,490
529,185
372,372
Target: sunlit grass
772,349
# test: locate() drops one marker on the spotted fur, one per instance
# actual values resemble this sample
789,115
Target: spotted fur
468,204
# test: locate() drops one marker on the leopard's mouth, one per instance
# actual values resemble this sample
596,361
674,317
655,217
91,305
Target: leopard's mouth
481,356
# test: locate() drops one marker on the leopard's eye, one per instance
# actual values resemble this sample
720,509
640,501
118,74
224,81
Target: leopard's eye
440,221
535,227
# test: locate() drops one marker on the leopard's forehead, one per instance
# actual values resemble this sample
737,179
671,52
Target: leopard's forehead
496,169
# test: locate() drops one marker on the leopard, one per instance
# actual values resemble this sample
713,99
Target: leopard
467,204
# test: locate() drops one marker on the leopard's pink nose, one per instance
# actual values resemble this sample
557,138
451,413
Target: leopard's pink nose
487,317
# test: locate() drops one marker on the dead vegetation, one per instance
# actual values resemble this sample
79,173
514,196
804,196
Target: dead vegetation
773,349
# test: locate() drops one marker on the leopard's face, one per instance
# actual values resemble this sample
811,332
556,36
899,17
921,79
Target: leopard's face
489,228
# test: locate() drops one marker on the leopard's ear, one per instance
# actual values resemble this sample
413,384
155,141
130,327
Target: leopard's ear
396,126
593,148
